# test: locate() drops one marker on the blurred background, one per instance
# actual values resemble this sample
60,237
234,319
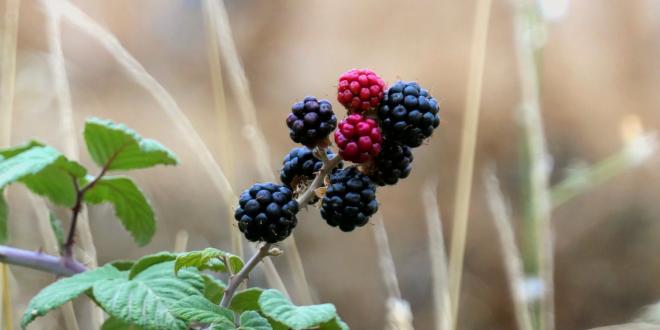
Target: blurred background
600,64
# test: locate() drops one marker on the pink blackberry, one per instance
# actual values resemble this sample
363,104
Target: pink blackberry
360,90
358,138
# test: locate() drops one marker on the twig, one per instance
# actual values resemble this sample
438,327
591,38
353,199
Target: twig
467,153
263,252
181,241
438,256
328,165
40,261
511,255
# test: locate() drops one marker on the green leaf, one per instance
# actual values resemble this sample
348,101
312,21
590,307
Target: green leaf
251,320
131,207
276,306
123,265
246,300
65,290
213,288
199,309
13,151
209,258
150,260
45,171
334,324
4,231
56,225
146,299
117,147
117,324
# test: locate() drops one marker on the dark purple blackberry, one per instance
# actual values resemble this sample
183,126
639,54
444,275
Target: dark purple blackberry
310,121
408,114
300,166
266,212
393,163
349,200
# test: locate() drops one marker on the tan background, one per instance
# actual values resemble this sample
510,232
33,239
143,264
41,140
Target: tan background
601,62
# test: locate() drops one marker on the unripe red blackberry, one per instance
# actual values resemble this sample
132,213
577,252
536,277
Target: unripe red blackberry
266,212
311,121
393,163
360,90
408,114
300,165
349,200
358,138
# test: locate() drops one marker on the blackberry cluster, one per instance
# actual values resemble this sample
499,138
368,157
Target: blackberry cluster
360,90
358,138
349,200
300,164
311,121
266,212
393,163
380,130
408,114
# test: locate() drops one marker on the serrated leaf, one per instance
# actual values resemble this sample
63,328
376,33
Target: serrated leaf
117,324
56,225
276,306
251,320
146,299
246,300
13,151
334,324
65,290
4,231
117,147
209,258
45,171
199,309
150,260
213,288
131,207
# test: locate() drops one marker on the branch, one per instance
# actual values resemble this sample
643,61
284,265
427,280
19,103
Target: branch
328,165
62,266
236,280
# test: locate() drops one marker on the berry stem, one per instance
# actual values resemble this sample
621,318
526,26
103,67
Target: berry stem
234,281
328,165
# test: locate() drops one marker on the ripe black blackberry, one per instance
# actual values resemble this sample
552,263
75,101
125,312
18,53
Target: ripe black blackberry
310,121
349,200
266,212
408,114
300,165
393,163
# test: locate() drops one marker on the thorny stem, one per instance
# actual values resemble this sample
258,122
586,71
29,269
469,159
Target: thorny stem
265,250
237,279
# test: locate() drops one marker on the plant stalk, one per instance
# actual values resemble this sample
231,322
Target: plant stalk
236,280
61,266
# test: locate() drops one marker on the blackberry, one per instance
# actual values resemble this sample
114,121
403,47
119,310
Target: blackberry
393,163
310,121
266,212
408,113
349,200
360,90
300,164
358,138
